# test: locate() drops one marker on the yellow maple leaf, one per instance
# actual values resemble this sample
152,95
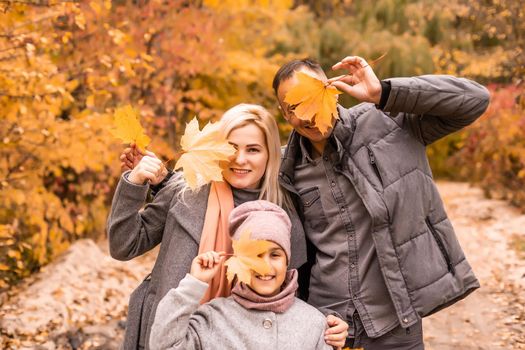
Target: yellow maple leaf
315,101
203,152
127,127
246,258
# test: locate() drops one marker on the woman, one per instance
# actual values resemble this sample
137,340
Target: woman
191,222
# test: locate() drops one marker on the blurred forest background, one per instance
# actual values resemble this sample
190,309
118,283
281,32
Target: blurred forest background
66,65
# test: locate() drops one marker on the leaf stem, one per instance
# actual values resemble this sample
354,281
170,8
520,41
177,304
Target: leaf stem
166,162
369,64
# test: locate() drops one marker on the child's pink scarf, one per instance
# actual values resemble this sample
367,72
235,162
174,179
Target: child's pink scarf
279,303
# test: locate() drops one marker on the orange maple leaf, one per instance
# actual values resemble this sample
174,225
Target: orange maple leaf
203,152
246,258
127,127
315,101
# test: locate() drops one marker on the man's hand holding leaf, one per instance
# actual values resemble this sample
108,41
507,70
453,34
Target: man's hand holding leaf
361,82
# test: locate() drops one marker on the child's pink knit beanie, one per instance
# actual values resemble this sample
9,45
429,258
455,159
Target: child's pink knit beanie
265,221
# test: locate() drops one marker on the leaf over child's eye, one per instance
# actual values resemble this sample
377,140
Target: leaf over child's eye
246,258
316,101
203,152
127,127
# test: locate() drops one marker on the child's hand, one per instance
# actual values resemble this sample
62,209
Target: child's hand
150,168
130,158
206,265
337,332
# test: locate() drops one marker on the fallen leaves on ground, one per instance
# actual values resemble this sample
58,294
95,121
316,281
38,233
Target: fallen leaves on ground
77,302
246,258
314,100
203,151
80,300
127,127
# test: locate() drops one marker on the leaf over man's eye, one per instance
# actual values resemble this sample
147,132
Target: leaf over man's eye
203,152
315,101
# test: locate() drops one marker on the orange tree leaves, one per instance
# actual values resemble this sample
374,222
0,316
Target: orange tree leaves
63,68
66,66
246,258
204,150
314,100
492,150
53,185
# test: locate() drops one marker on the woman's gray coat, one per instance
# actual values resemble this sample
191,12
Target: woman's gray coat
177,225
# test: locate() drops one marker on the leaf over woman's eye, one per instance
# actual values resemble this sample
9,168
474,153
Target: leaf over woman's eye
204,150
246,258
126,126
315,101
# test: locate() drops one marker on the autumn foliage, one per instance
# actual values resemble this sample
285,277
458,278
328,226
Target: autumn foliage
66,66
55,159
493,150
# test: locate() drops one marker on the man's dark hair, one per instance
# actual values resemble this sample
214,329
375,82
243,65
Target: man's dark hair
286,71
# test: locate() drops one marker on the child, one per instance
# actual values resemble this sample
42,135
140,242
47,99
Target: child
264,315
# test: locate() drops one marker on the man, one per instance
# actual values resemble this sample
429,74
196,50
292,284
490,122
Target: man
386,254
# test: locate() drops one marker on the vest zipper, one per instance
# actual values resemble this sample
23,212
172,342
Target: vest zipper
374,164
441,246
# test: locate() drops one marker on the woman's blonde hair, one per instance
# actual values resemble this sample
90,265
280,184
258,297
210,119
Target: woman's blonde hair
239,116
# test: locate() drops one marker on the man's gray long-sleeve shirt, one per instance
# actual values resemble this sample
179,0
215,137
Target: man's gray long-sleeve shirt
346,276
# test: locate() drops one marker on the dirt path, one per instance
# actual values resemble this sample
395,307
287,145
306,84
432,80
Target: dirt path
494,316
79,301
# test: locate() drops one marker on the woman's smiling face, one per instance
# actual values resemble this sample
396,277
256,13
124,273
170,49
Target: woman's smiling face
248,166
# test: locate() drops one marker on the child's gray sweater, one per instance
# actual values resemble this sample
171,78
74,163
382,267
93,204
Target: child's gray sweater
180,323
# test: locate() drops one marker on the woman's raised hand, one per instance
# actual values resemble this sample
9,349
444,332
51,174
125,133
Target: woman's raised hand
149,168
206,265
130,157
